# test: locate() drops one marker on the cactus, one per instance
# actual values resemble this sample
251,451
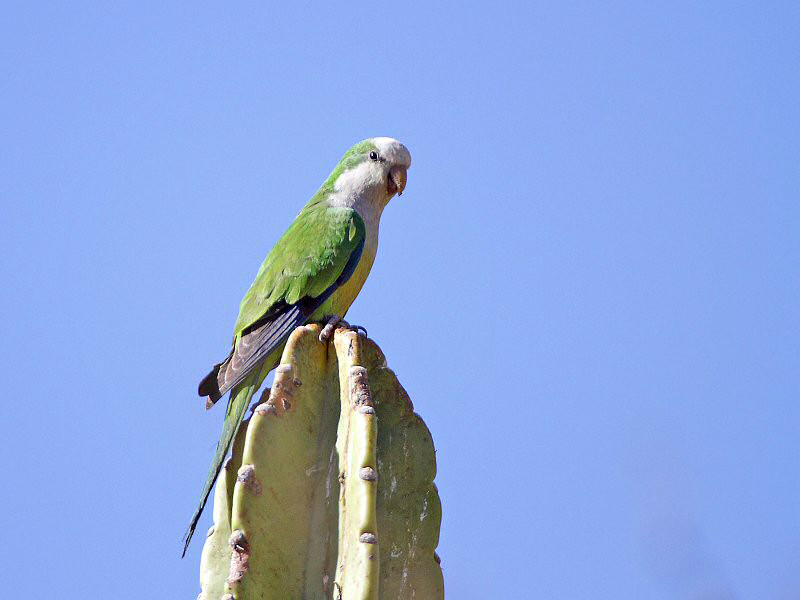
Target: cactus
329,491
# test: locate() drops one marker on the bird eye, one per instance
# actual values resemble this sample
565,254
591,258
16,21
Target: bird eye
373,155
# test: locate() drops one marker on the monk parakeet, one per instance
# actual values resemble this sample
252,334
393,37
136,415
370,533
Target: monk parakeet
313,274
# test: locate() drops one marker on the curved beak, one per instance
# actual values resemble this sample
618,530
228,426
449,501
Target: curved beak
398,177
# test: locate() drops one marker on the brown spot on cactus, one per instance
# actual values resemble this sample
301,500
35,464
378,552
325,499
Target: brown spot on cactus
240,557
368,474
359,387
238,541
247,477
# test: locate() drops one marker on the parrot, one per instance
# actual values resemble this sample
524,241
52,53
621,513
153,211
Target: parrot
312,275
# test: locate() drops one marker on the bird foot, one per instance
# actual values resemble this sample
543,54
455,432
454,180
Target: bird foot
330,326
333,322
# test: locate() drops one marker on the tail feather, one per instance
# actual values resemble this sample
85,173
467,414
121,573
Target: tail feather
209,386
237,406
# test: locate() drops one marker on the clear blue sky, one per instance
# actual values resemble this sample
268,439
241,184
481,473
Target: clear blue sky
590,288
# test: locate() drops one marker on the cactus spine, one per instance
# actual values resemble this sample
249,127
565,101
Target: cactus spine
329,491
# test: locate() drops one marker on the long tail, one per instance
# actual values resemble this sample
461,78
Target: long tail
237,405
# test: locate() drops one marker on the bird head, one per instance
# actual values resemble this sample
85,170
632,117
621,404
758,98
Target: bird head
371,171
392,161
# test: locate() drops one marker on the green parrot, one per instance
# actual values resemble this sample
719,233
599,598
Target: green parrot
313,274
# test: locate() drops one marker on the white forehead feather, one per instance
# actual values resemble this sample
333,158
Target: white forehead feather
393,151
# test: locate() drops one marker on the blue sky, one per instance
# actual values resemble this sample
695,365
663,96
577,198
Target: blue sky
589,289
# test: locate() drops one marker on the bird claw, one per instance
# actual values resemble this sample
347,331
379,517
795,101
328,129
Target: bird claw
333,322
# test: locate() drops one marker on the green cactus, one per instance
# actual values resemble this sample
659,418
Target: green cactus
329,492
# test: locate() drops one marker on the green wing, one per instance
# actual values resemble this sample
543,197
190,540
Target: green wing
306,261
317,253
